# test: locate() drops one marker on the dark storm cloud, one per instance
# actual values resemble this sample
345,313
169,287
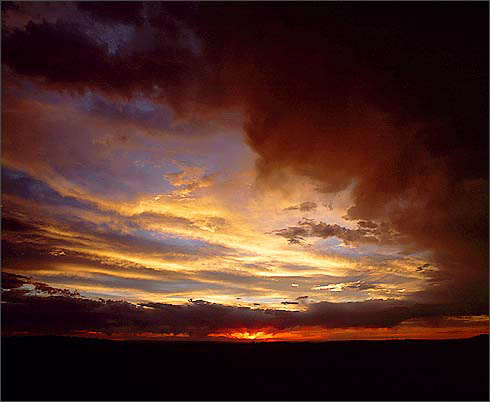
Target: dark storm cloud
13,281
392,98
84,63
64,312
129,12
406,121
15,225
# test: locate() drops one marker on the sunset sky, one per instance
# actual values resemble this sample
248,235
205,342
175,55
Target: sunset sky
227,171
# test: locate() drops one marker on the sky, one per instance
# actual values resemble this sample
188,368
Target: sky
232,171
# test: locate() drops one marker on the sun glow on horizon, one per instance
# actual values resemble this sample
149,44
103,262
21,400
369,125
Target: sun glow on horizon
246,335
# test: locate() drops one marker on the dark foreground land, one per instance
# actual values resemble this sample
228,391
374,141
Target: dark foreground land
56,368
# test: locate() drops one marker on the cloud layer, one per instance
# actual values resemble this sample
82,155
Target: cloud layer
58,311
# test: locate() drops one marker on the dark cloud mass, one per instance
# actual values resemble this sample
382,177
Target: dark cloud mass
63,312
365,233
389,99
129,12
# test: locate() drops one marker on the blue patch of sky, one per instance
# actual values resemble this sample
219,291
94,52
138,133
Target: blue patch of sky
156,156
334,245
172,241
22,185
137,164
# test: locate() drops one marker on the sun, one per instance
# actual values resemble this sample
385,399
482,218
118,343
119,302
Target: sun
251,335
246,335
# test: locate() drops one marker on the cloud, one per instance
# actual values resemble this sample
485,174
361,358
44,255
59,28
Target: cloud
367,224
146,62
365,233
127,13
61,312
13,281
423,267
189,180
304,207
341,286
294,234
121,233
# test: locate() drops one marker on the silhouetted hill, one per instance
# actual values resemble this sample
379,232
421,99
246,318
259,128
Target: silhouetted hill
64,368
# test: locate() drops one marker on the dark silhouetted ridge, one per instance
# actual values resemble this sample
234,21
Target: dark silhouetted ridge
70,368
